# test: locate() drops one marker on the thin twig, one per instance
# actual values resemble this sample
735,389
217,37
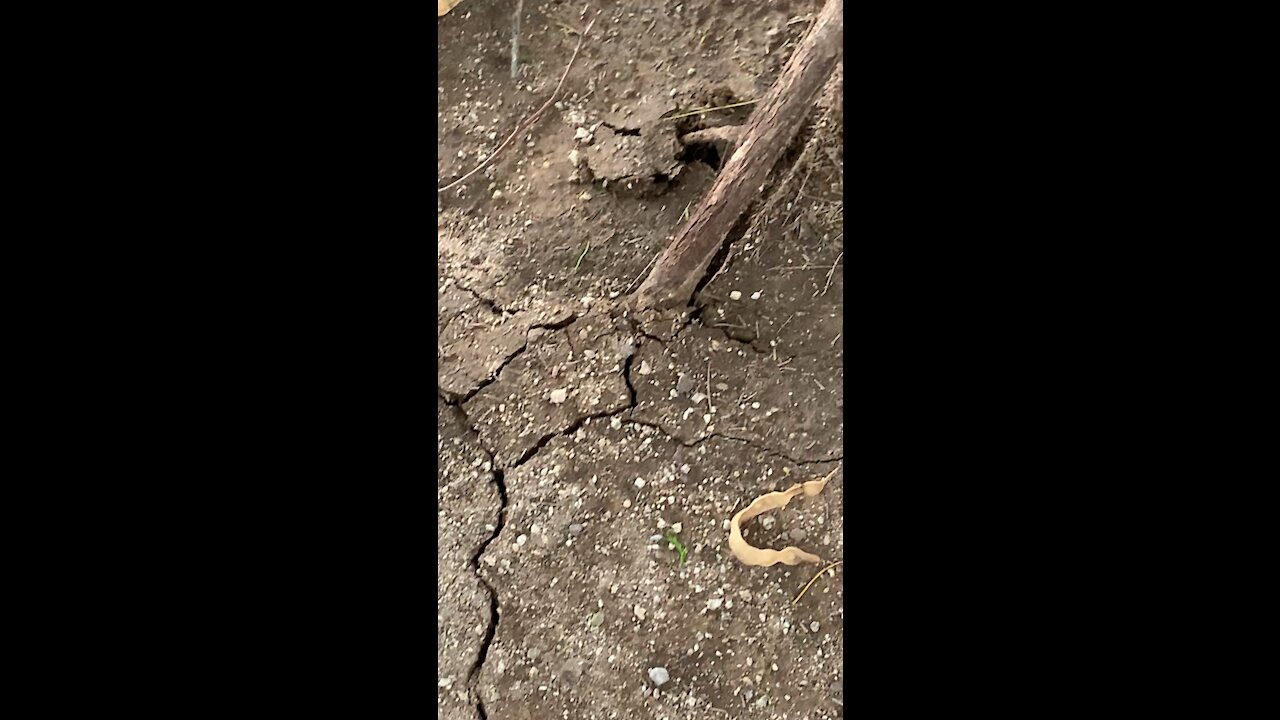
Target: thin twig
815,579
708,109
709,408
833,269
584,254
515,40
528,122
641,275
800,267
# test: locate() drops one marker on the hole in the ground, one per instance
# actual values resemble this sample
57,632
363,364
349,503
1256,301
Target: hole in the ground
701,152
622,130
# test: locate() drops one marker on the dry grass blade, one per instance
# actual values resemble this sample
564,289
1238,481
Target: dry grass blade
529,121
709,109
821,572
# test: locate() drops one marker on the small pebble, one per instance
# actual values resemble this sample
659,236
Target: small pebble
559,396
735,295
755,295
645,368
659,676
685,383
522,539
575,529
814,626
640,484
676,528
798,534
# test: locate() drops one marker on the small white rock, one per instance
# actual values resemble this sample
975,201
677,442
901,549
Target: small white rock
676,528
639,611
735,295
521,540
645,368
575,157
755,295
659,676
559,396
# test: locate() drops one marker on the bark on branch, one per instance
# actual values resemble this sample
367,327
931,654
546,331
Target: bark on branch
772,126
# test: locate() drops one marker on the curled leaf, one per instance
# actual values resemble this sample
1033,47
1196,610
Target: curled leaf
771,501
444,6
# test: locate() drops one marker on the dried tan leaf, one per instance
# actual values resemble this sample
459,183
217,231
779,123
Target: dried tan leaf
771,501
444,6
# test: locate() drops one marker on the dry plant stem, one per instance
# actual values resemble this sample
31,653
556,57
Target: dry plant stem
832,272
773,124
529,121
814,580
515,39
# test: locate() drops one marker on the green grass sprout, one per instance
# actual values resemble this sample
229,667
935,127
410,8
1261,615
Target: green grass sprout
680,548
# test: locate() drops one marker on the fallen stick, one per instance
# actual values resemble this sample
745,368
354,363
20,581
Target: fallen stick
774,123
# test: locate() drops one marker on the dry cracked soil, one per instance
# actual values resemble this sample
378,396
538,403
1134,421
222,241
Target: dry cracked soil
574,441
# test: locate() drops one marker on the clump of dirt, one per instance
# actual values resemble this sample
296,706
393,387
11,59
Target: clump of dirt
575,441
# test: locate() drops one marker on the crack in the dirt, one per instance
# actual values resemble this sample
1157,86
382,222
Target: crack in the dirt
497,373
764,449
499,479
620,130
490,303
527,455
495,610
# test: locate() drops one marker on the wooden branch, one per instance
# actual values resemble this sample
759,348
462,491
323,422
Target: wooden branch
773,124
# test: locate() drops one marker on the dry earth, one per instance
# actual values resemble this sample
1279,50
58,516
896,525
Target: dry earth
572,438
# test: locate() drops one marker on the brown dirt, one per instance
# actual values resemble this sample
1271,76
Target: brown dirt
570,436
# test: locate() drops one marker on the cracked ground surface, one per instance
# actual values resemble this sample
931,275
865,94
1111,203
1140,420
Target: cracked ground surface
572,438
